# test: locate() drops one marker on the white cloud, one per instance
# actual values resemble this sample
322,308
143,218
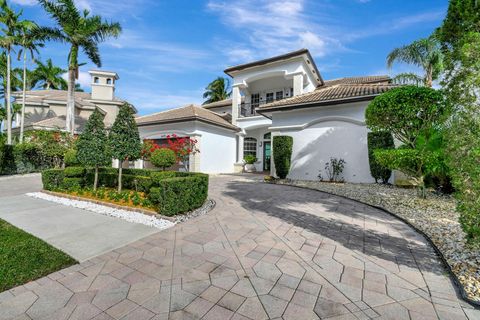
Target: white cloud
272,27
84,79
25,2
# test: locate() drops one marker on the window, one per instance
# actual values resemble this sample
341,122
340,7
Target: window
279,95
269,97
267,136
96,80
255,102
109,81
250,147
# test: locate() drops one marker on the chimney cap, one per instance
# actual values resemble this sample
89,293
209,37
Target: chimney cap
104,73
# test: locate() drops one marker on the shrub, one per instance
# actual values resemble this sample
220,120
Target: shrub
74,172
163,158
379,140
52,179
282,154
28,158
334,169
7,160
250,159
71,183
178,195
70,158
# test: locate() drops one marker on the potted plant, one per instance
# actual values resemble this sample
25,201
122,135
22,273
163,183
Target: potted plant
249,163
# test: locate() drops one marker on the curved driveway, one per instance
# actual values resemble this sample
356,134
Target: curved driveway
265,251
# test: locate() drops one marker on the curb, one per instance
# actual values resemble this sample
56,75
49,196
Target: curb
453,276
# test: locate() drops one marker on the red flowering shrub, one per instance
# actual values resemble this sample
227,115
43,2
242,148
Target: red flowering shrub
181,146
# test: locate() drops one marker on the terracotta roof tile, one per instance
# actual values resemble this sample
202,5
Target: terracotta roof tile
186,113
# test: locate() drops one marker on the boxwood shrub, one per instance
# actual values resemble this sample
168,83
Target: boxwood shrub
178,195
170,192
282,155
379,140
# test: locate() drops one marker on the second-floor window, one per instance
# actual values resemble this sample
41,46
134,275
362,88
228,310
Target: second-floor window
279,95
269,97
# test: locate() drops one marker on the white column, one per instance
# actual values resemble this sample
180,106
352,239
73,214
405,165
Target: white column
240,148
194,158
236,100
139,164
297,84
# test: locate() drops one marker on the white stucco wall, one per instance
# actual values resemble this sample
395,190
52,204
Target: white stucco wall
321,133
217,145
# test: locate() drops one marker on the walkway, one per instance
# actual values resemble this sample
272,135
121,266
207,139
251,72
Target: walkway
265,251
81,234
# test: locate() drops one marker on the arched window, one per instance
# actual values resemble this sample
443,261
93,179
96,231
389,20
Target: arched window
250,146
267,136
96,80
109,81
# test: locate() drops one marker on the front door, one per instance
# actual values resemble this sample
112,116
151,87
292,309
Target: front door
267,154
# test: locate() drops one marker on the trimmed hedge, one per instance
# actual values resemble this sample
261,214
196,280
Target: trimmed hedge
52,179
179,195
170,192
282,155
7,160
379,140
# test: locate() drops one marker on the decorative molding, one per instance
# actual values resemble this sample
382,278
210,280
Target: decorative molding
319,120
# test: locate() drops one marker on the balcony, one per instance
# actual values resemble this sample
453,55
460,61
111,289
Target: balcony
247,109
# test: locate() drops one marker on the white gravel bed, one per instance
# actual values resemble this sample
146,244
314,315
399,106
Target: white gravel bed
435,216
129,216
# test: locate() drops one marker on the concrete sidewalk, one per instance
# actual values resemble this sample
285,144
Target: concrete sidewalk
82,234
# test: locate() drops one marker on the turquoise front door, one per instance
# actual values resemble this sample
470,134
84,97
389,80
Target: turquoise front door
267,154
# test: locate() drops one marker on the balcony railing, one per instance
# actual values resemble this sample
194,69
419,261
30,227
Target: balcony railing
247,109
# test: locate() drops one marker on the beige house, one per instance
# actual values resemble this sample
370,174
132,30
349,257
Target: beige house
46,109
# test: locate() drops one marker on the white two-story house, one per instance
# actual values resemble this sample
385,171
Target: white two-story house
282,95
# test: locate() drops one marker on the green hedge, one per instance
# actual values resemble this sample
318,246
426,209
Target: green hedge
282,155
52,179
169,191
179,195
379,140
7,160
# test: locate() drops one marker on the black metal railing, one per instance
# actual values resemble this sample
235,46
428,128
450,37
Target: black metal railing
248,109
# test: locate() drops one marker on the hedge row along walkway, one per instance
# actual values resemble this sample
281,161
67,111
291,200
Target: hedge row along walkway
265,251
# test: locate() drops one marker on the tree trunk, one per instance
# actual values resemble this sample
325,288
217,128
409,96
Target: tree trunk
120,163
95,181
9,103
70,115
22,118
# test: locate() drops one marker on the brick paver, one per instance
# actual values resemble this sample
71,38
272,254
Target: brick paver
264,252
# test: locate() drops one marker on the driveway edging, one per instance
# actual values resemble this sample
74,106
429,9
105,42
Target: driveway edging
453,276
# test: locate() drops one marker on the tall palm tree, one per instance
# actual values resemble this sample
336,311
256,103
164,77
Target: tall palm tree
50,76
82,32
11,25
29,43
424,53
15,83
217,90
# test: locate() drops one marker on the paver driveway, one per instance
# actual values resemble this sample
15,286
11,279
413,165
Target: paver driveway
265,251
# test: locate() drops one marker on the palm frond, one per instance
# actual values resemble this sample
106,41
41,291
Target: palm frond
408,78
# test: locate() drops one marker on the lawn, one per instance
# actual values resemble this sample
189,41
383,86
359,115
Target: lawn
24,257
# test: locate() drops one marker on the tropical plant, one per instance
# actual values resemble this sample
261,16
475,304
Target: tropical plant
379,140
334,169
182,147
29,43
163,158
11,26
50,76
282,155
92,145
217,90
250,159
407,112
82,32
124,139
424,53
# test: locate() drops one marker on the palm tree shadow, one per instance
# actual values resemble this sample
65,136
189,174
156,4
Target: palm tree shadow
353,225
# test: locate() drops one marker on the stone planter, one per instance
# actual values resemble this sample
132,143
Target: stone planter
250,168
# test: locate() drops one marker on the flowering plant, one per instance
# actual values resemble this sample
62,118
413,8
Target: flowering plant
181,146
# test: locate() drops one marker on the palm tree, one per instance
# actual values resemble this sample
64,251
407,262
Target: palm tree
29,43
82,32
217,90
424,53
11,25
15,83
50,76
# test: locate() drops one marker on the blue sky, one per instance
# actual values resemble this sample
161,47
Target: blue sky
170,50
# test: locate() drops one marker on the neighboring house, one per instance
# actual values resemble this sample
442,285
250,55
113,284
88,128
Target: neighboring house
283,95
46,109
